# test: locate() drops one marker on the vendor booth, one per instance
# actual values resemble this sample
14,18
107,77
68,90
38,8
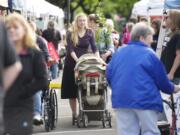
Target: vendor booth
148,8
3,8
42,9
4,3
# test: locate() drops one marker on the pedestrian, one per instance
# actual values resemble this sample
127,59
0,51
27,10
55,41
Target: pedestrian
133,20
136,83
37,119
9,67
53,36
156,24
41,42
103,37
127,34
18,105
114,33
79,40
171,53
143,19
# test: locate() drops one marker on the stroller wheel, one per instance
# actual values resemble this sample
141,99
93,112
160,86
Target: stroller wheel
109,120
79,122
106,120
85,120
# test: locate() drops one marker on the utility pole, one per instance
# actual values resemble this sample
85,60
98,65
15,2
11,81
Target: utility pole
68,13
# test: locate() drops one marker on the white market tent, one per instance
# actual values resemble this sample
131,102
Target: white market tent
3,3
38,7
41,7
148,8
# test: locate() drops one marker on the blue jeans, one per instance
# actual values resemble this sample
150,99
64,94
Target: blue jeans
37,103
54,71
131,121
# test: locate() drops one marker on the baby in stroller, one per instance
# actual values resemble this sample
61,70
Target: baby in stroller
92,91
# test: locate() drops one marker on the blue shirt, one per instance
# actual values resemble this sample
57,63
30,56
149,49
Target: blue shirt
136,76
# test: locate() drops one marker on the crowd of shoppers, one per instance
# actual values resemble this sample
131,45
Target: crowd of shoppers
138,104
24,59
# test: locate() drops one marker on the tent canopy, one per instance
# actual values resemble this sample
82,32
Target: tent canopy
38,7
148,7
172,4
154,7
4,3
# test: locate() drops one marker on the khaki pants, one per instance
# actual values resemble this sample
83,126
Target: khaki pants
132,121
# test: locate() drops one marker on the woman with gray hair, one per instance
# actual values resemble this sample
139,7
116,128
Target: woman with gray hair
136,83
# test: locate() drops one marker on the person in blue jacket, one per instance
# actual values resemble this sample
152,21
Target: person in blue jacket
136,76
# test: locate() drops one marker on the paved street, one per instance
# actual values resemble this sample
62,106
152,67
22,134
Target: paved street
65,128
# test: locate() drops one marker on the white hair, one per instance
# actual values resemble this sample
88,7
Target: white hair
141,30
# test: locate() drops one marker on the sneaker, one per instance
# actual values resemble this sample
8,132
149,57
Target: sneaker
37,120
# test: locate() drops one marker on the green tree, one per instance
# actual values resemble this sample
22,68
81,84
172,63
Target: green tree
122,7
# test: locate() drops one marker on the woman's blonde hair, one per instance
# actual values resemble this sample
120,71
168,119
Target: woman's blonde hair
29,40
174,15
74,28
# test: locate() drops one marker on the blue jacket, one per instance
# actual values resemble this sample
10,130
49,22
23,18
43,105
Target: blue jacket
136,77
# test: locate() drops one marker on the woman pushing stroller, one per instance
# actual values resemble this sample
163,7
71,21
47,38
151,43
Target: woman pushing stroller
79,40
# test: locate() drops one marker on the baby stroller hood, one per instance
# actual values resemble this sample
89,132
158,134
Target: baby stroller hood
89,63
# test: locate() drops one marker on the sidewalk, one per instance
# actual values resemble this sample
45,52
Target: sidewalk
65,127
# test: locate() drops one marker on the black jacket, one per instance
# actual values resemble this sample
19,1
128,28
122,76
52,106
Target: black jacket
52,35
18,106
43,47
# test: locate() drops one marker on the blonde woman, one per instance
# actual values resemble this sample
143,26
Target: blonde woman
79,40
18,106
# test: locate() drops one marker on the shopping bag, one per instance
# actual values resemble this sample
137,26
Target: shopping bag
53,54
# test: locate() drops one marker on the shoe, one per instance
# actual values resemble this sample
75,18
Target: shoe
74,120
37,120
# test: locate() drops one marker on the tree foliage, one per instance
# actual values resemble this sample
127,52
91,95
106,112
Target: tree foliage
122,7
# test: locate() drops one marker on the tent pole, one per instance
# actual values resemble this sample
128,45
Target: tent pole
68,13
